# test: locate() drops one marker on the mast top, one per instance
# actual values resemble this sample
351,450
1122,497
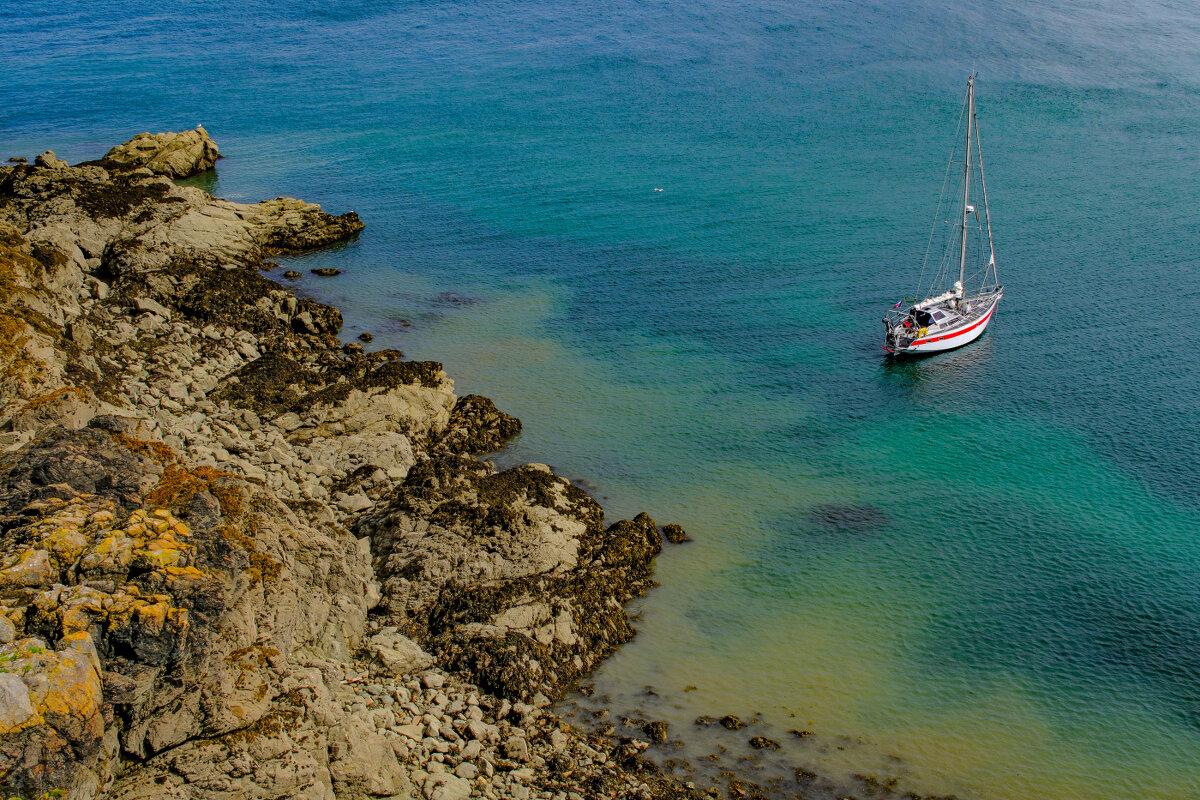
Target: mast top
966,198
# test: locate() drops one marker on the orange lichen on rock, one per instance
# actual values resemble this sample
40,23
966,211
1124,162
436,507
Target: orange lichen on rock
79,606
74,689
14,333
179,485
57,395
60,688
156,451
179,579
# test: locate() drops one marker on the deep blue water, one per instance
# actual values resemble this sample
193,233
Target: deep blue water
984,563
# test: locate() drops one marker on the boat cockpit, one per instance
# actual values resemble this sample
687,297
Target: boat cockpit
935,318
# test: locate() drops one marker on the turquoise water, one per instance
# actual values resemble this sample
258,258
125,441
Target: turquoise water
978,572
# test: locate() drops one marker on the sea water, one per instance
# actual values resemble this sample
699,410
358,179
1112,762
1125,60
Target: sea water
664,234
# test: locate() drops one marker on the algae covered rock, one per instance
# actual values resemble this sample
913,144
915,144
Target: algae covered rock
287,225
477,426
675,534
763,743
507,576
656,731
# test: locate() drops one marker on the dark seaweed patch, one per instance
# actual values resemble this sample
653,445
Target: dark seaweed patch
847,518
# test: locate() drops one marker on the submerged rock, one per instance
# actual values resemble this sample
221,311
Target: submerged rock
326,272
847,518
675,534
453,299
656,731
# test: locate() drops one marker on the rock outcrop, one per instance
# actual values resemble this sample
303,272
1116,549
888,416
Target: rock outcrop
477,426
49,160
175,155
240,560
508,576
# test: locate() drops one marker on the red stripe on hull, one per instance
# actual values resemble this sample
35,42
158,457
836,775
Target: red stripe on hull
956,333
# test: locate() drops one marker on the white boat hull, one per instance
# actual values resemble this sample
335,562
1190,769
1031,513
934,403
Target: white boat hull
950,339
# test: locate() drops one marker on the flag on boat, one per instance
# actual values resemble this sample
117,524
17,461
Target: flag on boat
898,304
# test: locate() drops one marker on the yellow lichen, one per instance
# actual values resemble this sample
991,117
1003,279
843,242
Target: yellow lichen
157,558
113,552
183,578
152,616
65,544
74,687
80,608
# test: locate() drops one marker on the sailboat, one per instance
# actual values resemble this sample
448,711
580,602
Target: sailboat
958,313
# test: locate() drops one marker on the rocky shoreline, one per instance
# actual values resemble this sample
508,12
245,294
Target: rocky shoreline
241,559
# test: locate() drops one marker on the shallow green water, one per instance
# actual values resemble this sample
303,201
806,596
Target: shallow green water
978,572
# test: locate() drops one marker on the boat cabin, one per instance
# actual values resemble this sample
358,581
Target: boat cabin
936,317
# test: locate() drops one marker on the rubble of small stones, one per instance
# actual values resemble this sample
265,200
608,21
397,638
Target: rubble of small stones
238,559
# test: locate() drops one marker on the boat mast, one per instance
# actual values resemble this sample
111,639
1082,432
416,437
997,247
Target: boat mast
962,258
987,214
